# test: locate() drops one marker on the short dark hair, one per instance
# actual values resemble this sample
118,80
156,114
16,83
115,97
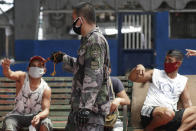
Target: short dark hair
87,10
176,53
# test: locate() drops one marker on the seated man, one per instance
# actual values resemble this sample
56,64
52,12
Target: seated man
167,86
32,97
120,99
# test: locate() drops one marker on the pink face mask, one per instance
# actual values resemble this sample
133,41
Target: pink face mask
170,67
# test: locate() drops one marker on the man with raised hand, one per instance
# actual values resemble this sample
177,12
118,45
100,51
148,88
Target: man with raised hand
32,102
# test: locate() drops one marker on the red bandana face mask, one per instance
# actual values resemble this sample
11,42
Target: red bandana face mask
170,67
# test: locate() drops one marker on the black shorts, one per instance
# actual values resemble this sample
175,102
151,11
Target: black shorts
173,125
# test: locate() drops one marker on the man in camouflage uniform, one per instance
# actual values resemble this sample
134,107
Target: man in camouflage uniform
89,99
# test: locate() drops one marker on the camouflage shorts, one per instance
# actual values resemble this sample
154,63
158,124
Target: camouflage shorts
15,122
96,123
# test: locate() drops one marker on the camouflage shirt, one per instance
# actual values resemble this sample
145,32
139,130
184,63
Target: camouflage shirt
89,86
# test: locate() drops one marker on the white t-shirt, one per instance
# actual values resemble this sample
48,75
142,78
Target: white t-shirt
164,91
28,101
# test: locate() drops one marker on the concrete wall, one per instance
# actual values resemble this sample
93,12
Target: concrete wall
26,14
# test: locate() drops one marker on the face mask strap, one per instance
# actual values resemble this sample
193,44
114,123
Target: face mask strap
81,20
75,21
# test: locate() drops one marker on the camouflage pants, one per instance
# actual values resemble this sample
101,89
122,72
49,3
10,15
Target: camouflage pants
96,123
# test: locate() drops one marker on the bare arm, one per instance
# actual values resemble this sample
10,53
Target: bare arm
13,75
124,98
121,99
45,107
185,97
139,74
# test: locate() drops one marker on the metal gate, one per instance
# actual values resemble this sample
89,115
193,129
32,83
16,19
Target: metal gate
139,36
135,40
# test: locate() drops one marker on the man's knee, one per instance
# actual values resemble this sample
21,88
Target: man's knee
164,114
9,124
192,109
189,113
169,114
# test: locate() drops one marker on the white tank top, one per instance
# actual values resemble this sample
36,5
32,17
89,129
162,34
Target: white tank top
28,101
164,91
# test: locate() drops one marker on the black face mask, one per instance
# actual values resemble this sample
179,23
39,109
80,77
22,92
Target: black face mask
76,29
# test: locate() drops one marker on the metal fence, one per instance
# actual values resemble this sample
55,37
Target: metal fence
137,30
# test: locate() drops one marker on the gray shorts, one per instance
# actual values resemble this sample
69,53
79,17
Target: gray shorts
15,122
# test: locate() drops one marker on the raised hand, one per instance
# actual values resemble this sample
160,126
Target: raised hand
6,63
140,69
191,52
